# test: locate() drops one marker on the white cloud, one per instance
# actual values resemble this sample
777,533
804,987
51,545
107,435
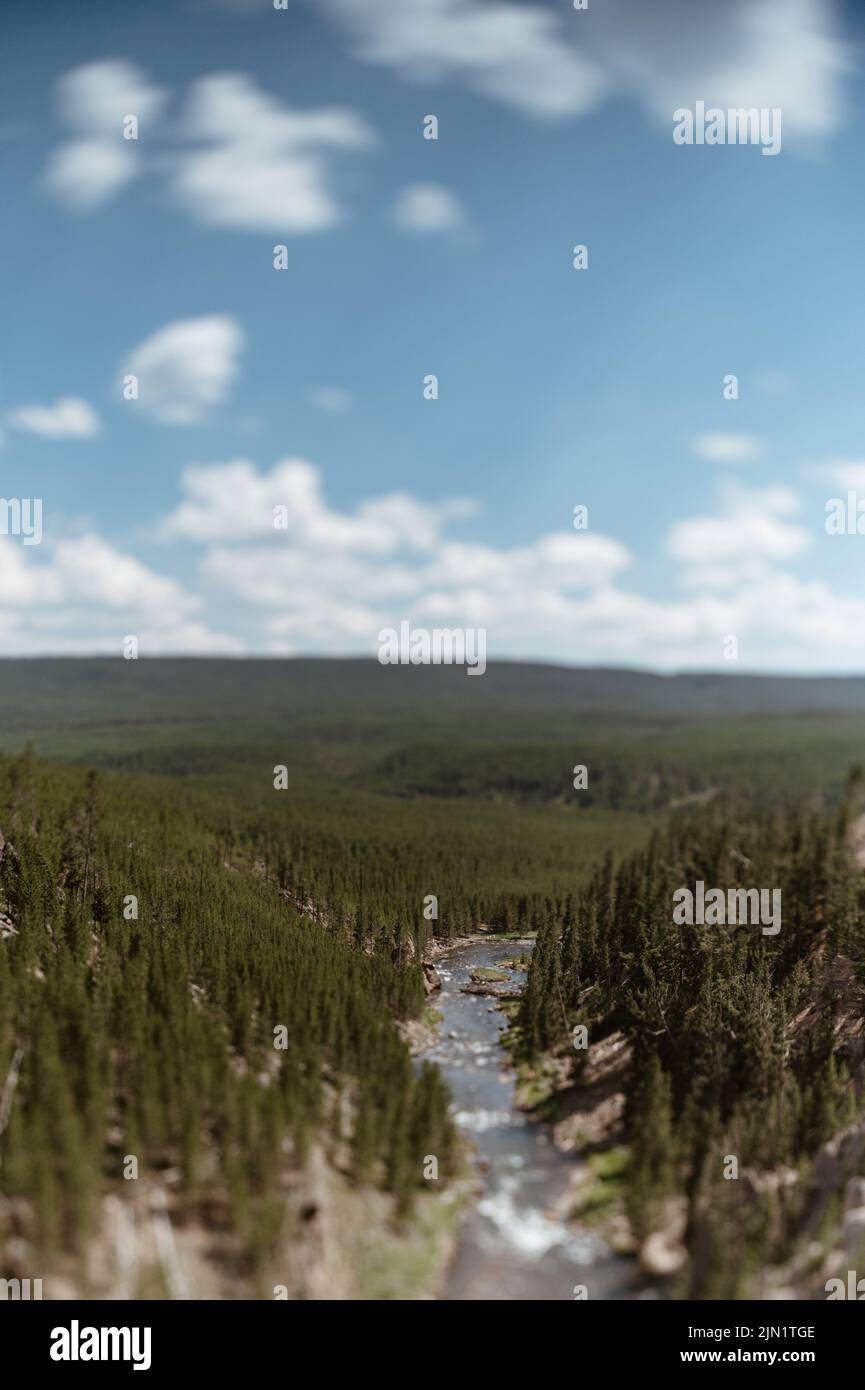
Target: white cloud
240,158
87,570
262,166
186,367
84,174
95,100
844,473
73,631
68,418
91,569
97,97
763,53
517,53
334,579
247,161
728,448
85,595
562,63
750,534
428,207
233,501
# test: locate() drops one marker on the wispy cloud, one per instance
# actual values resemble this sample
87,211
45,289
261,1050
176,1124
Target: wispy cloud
69,417
728,448
428,208
334,399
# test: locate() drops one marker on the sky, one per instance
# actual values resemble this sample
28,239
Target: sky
235,314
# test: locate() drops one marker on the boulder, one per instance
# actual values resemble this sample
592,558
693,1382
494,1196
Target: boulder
431,979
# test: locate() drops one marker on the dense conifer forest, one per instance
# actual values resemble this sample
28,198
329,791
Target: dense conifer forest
740,1044
208,975
164,997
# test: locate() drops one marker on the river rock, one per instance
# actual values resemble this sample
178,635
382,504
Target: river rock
431,979
491,987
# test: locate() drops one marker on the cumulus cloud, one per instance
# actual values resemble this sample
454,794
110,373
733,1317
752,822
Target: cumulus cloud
239,158
561,63
331,581
87,569
83,594
186,368
244,160
428,207
88,172
751,532
257,165
764,53
68,418
94,100
517,53
233,501
98,97
332,578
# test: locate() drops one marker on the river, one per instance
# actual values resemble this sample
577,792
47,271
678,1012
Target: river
509,1247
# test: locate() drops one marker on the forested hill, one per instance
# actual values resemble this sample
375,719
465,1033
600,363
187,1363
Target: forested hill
77,690
512,735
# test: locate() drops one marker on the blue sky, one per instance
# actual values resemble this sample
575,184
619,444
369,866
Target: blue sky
303,387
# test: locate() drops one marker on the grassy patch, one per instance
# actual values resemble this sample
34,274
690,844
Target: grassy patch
410,1263
600,1199
536,1088
519,962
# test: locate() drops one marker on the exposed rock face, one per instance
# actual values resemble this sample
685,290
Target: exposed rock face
592,1109
663,1252
431,979
854,1195
661,1257
837,1158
